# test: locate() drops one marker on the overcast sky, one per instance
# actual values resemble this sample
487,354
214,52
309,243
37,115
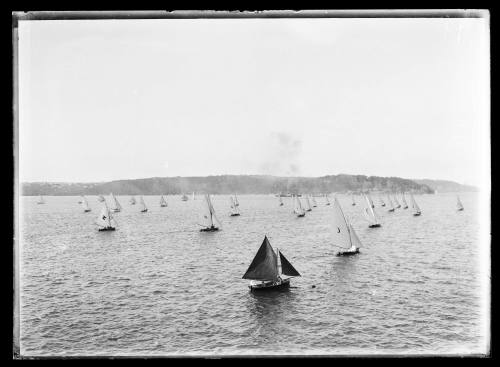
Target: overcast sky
117,99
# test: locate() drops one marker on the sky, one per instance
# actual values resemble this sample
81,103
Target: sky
101,100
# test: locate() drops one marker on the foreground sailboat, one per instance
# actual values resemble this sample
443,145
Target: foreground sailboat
345,236
105,221
268,269
40,200
405,204
85,203
460,207
234,207
163,202
370,215
209,216
144,209
297,207
391,205
416,208
116,205
132,201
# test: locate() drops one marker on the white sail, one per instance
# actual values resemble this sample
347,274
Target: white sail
298,206
132,200
206,213
115,204
80,201
404,200
356,243
396,201
370,212
414,204
459,204
342,238
234,207
236,203
143,204
327,200
370,201
85,204
105,219
308,204
163,202
353,202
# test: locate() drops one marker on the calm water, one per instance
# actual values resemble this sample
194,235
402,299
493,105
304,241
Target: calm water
158,286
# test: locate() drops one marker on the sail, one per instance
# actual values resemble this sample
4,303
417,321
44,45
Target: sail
234,208
298,206
396,200
370,200
212,211
370,212
352,197
404,200
193,195
40,200
414,204
381,201
308,204
116,204
101,198
206,214
143,204
85,204
264,265
287,268
104,219
236,203
340,229
459,203
163,202
327,201
391,206
354,237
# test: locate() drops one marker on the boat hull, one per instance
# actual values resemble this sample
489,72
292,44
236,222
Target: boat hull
301,215
374,225
144,211
270,285
347,253
86,211
460,210
234,215
211,229
391,210
417,214
106,229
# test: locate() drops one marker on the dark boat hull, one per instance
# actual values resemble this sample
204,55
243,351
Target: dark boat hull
234,215
347,253
268,286
212,229
144,211
106,229
374,225
301,215
391,210
417,214
86,211
460,210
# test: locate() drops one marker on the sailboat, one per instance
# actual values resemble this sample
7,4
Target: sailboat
327,201
297,207
209,216
184,197
345,236
101,199
280,200
116,205
308,204
234,208
163,202
398,205
269,270
40,200
371,201
314,202
381,201
391,205
80,201
105,220
405,204
85,204
370,215
144,209
353,202
132,201
415,206
460,207
236,203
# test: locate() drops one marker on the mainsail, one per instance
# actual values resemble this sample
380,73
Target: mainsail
298,206
236,203
370,213
280,200
286,267
459,204
264,265
327,201
370,201
143,204
396,201
105,219
163,202
391,205
40,200
116,205
308,204
341,226
404,200
234,207
314,202
208,213
414,205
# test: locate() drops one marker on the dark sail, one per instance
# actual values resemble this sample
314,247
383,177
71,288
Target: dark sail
287,268
264,265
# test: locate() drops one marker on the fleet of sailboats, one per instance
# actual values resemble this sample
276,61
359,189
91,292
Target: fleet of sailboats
344,235
269,269
208,216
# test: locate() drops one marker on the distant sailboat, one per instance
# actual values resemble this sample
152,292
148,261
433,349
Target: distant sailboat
313,200
101,199
209,216
236,203
327,201
116,205
184,197
370,200
381,201
297,207
163,202
268,269
280,200
405,204
40,200
398,205
391,205
345,236
105,220
370,215
144,209
414,205
132,201
353,202
80,201
234,208
308,203
460,207
85,204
